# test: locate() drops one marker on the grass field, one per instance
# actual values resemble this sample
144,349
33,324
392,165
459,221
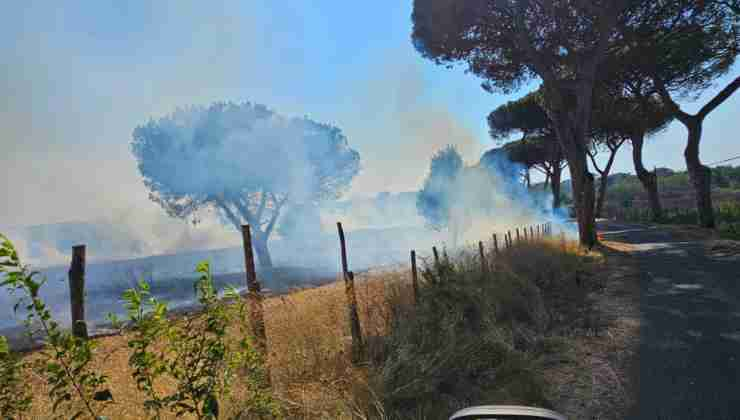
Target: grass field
537,316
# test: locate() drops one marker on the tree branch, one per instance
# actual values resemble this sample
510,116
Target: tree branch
670,103
609,163
614,146
734,6
719,98
263,202
592,155
245,213
543,169
229,214
521,37
276,212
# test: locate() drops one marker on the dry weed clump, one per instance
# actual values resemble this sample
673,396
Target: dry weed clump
484,333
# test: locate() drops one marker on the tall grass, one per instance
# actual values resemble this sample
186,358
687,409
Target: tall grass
476,335
481,336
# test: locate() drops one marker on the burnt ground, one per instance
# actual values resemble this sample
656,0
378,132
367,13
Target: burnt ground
688,363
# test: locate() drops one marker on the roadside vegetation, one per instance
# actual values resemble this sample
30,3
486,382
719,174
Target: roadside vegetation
492,333
727,216
673,185
626,197
485,336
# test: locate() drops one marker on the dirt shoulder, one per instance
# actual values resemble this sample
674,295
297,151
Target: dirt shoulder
599,380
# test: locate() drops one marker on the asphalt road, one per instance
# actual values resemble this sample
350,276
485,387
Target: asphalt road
689,354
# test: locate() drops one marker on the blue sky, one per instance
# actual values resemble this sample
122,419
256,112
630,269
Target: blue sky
79,76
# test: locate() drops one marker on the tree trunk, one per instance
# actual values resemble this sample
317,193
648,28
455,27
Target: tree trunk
700,175
260,248
555,184
603,181
582,182
572,138
648,179
571,128
604,175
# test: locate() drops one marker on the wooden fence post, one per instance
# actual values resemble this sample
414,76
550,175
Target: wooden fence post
358,346
436,257
483,263
531,232
508,234
414,277
77,291
254,297
495,244
517,235
525,234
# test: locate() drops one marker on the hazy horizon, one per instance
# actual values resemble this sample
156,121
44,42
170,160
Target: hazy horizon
80,76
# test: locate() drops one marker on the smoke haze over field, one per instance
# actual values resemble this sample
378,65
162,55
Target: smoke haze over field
68,131
77,78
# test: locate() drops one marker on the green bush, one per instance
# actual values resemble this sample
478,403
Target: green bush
729,231
726,214
15,393
65,362
196,353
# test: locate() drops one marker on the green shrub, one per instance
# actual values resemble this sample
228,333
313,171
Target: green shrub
726,214
196,354
729,231
15,393
65,362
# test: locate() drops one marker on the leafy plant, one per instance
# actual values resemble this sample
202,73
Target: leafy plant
730,231
148,318
196,354
15,395
65,360
727,215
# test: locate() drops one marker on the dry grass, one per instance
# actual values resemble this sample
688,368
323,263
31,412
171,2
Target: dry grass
308,342
308,338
